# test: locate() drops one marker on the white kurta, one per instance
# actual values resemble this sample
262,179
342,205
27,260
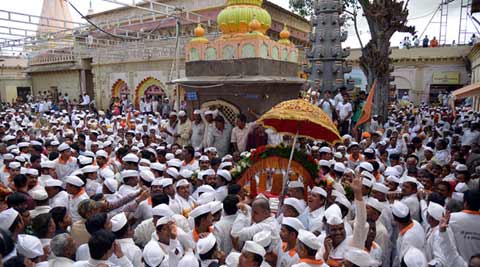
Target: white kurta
173,252
64,169
413,205
198,132
287,258
221,230
131,251
245,230
73,202
433,252
59,200
412,235
465,226
182,206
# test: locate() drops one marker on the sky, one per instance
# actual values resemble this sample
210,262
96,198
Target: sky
420,12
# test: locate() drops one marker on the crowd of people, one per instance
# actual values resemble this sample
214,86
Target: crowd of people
86,187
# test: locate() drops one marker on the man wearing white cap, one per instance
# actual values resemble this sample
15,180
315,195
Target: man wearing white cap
74,187
198,129
308,246
123,233
182,203
11,222
57,196
316,206
130,182
184,129
287,255
358,257
208,253
336,242
223,179
65,164
164,241
409,193
41,200
169,130
433,252
411,232
31,248
255,219
252,255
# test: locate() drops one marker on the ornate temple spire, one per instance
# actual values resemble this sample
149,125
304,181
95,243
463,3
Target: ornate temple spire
57,9
90,9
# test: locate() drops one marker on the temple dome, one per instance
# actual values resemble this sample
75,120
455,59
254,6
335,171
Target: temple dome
245,2
237,16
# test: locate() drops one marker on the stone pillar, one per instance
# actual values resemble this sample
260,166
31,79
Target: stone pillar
326,57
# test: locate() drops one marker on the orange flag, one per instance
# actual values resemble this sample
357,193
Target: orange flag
367,109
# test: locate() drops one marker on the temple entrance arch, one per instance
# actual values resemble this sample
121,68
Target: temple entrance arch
228,110
120,88
149,86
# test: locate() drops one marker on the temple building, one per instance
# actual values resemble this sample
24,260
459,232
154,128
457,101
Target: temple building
106,67
243,67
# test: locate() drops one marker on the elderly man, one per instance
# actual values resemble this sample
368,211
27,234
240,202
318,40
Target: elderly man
253,220
198,129
184,129
219,137
63,247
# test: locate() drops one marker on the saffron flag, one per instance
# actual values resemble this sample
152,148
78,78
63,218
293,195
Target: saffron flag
367,109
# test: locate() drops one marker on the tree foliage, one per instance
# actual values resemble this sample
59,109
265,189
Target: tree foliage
303,8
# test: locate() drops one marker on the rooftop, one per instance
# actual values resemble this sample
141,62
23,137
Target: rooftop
13,62
420,53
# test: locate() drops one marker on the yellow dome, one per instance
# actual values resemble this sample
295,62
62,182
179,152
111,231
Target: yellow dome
236,18
245,2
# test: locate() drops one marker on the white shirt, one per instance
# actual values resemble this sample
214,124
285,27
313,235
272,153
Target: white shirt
73,205
338,98
413,205
143,211
173,252
124,262
325,106
221,230
414,236
244,229
240,136
179,205
198,131
60,262
287,258
59,200
465,226
343,110
131,251
65,169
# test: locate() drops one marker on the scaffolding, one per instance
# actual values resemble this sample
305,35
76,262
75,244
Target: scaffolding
465,30
113,35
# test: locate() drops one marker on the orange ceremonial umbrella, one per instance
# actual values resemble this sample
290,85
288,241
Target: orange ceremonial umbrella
300,118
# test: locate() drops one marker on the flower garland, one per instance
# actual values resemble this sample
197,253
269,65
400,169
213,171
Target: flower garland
280,151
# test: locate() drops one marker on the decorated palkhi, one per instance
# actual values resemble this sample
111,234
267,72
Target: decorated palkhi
297,118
